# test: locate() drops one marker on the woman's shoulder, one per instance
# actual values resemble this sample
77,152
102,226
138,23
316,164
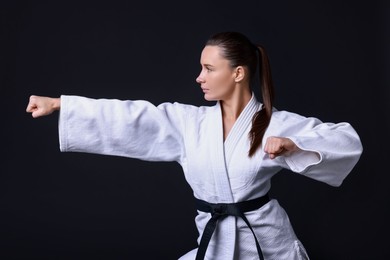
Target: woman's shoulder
288,117
285,115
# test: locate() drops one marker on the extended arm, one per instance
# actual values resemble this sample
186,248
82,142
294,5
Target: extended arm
129,128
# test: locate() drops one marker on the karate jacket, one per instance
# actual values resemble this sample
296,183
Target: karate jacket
218,170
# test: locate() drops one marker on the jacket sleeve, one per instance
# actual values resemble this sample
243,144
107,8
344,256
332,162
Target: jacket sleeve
135,129
329,151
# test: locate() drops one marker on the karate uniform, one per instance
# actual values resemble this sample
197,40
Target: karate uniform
218,171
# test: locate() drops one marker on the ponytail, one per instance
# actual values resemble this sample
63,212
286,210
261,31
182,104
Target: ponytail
261,119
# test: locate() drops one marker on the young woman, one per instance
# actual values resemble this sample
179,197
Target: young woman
229,151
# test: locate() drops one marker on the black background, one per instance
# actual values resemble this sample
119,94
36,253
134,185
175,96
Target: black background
330,59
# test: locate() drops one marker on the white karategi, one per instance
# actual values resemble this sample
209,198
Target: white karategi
218,171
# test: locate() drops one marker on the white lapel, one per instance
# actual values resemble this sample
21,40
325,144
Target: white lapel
240,127
221,152
217,155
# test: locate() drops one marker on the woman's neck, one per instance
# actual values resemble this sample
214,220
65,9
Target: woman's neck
232,108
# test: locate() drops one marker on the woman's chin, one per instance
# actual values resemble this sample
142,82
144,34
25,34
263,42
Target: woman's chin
209,97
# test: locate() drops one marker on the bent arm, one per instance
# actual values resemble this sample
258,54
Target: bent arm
326,152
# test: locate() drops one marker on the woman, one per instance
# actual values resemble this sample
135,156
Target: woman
229,151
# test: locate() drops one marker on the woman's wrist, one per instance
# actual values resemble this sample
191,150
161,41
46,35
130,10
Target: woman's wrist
56,103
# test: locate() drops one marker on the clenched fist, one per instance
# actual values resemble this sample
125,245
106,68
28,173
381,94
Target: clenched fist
276,146
42,106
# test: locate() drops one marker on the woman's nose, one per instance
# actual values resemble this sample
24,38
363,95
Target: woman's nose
199,80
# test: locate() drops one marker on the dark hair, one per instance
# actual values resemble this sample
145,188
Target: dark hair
240,51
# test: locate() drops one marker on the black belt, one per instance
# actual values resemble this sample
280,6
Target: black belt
221,210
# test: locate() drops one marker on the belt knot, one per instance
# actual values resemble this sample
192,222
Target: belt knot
219,209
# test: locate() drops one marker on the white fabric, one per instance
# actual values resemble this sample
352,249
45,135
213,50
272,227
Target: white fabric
218,171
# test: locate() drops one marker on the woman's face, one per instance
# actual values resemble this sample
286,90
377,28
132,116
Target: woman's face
217,76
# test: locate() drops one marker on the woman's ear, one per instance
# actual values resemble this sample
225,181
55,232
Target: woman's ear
239,74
